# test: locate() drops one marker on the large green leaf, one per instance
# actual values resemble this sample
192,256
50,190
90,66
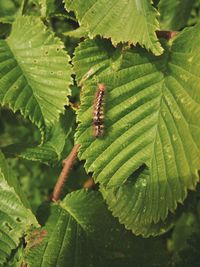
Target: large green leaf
128,204
151,119
77,232
174,13
49,152
121,20
15,215
125,203
81,232
34,71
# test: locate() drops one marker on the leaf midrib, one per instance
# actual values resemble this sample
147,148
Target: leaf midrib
65,207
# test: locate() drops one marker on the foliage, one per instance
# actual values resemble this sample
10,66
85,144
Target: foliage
75,225
142,207
110,21
15,212
174,14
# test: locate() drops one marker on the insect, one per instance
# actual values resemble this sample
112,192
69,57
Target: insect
98,113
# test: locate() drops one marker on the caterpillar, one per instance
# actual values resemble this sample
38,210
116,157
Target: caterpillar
98,113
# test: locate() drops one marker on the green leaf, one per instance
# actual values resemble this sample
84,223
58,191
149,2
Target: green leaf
50,7
50,152
186,226
127,203
79,231
35,74
174,13
122,21
152,107
195,14
78,33
129,197
15,215
8,10
93,57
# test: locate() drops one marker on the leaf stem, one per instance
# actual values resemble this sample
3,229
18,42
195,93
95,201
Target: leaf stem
23,7
89,183
166,34
67,165
74,106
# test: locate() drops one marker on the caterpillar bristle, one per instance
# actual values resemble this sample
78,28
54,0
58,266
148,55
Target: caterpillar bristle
98,114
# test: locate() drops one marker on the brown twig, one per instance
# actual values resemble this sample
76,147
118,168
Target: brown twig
166,34
67,165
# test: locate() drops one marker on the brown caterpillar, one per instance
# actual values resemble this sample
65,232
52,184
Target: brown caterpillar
98,115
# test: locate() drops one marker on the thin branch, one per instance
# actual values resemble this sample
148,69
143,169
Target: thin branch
67,165
166,34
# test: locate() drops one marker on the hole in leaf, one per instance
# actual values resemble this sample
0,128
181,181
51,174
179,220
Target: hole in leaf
18,220
46,52
136,175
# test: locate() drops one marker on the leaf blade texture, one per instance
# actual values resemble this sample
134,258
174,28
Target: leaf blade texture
174,14
15,213
78,236
35,73
122,21
151,121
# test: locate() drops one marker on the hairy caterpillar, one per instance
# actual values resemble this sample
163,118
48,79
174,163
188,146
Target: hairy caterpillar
98,114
